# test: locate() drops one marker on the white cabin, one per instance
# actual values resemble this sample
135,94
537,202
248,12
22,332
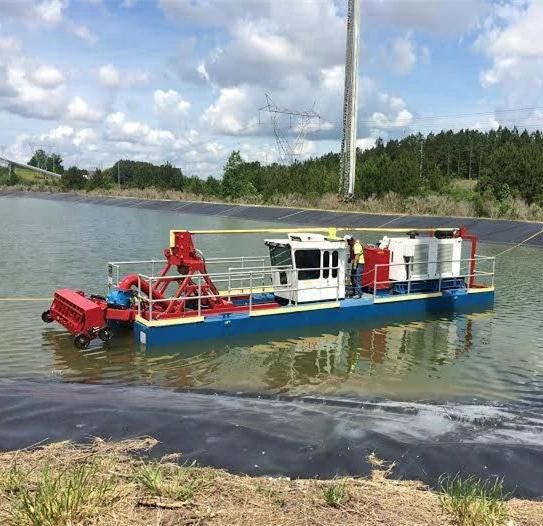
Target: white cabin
309,267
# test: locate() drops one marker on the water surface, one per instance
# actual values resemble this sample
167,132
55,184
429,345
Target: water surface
490,356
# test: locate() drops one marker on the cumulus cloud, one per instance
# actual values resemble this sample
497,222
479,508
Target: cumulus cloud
46,14
21,94
213,12
111,78
119,129
511,40
80,110
47,77
292,39
170,102
401,55
435,16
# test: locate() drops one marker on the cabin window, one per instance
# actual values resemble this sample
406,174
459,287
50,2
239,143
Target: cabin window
308,259
280,256
335,263
325,264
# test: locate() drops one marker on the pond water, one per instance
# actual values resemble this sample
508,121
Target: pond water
494,355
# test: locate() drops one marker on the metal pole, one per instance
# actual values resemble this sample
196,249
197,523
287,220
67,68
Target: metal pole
350,103
421,149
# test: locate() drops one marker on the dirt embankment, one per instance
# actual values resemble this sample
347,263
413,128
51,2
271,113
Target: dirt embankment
108,483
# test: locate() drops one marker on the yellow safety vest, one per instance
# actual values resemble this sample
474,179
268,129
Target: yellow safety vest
358,254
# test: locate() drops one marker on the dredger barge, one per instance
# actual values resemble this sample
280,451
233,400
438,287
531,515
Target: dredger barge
301,282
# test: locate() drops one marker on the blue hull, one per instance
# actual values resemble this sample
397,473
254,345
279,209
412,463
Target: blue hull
348,310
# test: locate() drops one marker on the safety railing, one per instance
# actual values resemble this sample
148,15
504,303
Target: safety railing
118,269
258,279
465,273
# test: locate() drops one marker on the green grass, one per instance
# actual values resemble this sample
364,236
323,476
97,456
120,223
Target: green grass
335,494
11,480
271,494
25,175
58,498
173,482
473,502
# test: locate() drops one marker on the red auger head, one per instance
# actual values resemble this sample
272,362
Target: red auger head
183,253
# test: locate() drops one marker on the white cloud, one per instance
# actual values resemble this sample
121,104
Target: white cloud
431,16
9,44
79,110
119,129
401,56
110,77
22,95
170,101
229,113
211,12
425,55
50,11
366,143
511,40
58,134
47,77
83,32
48,14
292,39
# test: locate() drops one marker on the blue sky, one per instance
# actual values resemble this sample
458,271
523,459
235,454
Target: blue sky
182,80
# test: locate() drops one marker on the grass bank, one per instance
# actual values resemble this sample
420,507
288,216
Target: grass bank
114,483
460,199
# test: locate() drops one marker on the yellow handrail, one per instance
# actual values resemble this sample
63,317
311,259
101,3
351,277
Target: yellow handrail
330,231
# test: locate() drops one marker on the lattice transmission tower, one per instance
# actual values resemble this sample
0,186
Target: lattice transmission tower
347,166
290,128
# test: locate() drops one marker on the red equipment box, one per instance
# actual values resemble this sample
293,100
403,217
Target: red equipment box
376,256
76,312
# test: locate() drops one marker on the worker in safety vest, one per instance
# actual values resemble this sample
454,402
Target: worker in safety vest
357,264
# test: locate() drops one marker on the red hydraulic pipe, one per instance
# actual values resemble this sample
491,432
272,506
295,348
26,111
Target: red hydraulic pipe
132,281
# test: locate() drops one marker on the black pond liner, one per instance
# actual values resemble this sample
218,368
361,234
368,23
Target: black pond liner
304,437
489,230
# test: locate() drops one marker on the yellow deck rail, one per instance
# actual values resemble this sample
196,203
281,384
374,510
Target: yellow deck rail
330,231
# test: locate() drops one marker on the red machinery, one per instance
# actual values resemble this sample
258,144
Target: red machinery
87,317
376,268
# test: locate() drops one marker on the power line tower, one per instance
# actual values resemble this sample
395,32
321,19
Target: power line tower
347,166
290,128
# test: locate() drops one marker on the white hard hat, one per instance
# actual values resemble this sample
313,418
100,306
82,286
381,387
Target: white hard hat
347,237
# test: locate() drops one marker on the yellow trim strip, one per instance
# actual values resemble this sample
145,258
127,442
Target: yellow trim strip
294,308
408,297
166,323
240,292
477,290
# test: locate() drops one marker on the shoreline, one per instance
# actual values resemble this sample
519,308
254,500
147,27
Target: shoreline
117,483
492,230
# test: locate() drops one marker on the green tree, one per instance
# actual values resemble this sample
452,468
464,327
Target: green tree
237,177
73,179
46,161
98,179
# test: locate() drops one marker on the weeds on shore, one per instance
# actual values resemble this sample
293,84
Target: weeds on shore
473,502
73,495
335,494
173,482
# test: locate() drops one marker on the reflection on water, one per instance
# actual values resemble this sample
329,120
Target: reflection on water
494,355
352,360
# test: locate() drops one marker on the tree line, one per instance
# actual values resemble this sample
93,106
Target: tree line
502,163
